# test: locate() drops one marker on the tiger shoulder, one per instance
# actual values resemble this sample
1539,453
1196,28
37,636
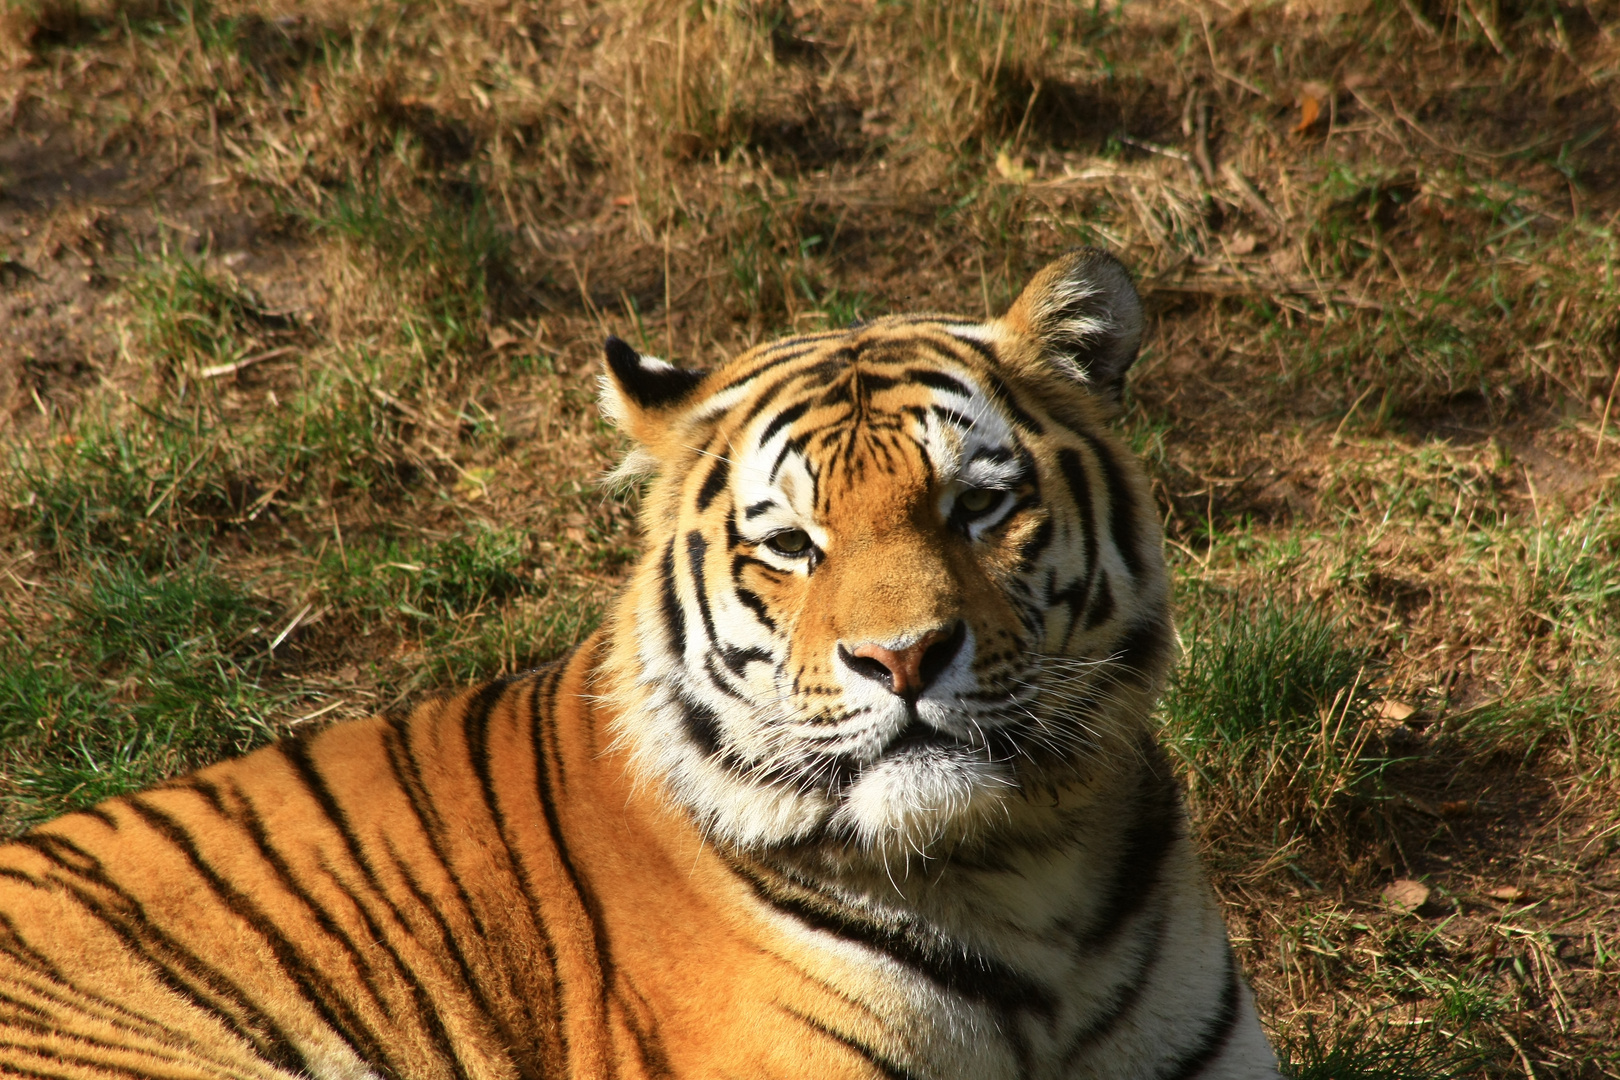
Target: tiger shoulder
856,780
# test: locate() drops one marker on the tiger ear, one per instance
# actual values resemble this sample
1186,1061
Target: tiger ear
638,393
1085,318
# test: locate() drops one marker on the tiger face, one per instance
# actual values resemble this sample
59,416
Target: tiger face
898,596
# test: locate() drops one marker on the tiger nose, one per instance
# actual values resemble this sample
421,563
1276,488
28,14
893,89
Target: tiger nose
909,670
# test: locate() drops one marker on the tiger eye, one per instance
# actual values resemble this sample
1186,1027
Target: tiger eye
792,542
978,500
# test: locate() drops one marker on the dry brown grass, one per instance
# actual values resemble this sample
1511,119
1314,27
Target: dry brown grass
306,299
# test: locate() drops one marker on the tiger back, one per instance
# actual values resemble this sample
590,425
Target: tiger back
857,780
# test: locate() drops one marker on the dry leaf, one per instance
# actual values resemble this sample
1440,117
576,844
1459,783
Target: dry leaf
1506,892
1405,895
1242,243
1312,96
1394,711
1013,169
1456,808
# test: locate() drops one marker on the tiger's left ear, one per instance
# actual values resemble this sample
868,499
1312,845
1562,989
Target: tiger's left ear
639,393
1085,318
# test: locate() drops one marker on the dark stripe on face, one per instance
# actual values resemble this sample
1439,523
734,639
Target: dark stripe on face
1102,605
1121,508
952,417
718,680
714,483
938,380
1215,1037
889,1069
767,365
1074,474
792,446
759,508
1005,398
750,600
1030,551
738,659
1145,648
696,549
674,617
702,725
781,420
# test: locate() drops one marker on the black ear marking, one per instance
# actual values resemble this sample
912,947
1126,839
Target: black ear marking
649,382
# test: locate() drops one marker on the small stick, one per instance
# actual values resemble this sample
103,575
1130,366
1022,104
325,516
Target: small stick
1256,201
246,361
1206,164
1603,425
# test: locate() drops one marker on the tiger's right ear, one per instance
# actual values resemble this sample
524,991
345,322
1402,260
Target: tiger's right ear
1084,317
639,393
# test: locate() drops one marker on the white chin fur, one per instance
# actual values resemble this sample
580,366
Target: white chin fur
920,799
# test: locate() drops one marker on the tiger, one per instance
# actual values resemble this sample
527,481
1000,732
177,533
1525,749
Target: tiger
858,778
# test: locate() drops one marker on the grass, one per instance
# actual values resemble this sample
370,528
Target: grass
139,675
304,310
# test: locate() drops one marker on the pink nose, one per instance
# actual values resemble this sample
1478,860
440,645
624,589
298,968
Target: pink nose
912,668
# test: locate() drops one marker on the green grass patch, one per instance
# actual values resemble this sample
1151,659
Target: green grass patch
1375,1052
1269,714
140,676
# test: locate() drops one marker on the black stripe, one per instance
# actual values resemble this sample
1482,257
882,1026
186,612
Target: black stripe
696,550
713,483
792,446
938,380
1214,1039
297,753
738,659
1034,546
767,365
702,725
1145,647
316,991
1143,848
717,680
758,508
891,1069
1127,992
1074,475
183,972
588,901
953,968
674,617
1122,510
190,1058
254,826
750,600
1005,398
76,1064
1102,605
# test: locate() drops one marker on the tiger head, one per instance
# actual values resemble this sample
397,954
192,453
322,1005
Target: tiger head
903,591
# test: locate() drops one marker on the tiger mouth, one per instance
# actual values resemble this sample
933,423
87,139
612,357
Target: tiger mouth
918,735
